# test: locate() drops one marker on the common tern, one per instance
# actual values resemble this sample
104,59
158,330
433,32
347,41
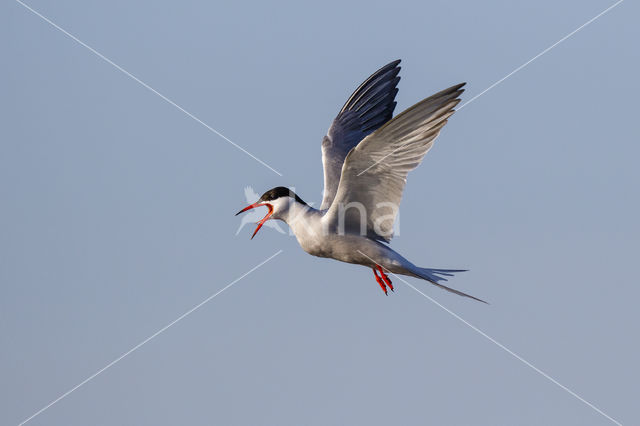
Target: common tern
367,154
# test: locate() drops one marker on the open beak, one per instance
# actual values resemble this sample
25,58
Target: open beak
264,219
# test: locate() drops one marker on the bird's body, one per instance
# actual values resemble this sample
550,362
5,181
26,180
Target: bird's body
310,228
367,155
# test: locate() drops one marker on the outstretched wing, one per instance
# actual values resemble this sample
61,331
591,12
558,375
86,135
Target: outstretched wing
375,171
368,108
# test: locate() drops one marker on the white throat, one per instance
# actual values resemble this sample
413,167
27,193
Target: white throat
304,220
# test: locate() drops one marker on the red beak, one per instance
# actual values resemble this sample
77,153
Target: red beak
264,219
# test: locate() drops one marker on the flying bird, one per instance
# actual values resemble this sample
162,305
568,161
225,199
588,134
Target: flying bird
367,154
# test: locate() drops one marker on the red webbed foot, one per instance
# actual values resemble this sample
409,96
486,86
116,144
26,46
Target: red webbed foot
380,281
385,277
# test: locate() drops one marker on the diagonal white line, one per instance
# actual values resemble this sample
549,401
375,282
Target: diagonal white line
503,347
515,355
136,347
511,73
540,54
145,85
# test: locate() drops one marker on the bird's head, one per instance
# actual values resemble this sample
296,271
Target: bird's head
278,200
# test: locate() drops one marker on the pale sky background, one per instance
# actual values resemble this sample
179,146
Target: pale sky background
117,216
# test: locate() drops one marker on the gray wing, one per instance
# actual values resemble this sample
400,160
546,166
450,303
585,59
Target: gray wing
375,171
368,108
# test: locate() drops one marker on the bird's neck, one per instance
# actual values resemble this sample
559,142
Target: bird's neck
303,219
296,212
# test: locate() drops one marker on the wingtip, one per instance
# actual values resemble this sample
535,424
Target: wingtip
389,66
393,65
461,85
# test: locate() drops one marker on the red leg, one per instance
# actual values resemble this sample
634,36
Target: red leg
385,277
380,281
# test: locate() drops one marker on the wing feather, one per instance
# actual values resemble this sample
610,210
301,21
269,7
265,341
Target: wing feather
374,173
369,107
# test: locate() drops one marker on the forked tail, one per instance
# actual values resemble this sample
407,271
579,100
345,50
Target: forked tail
434,276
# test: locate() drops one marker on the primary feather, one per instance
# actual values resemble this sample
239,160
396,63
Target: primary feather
374,173
369,107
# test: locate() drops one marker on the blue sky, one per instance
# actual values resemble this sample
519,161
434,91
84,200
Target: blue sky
118,218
